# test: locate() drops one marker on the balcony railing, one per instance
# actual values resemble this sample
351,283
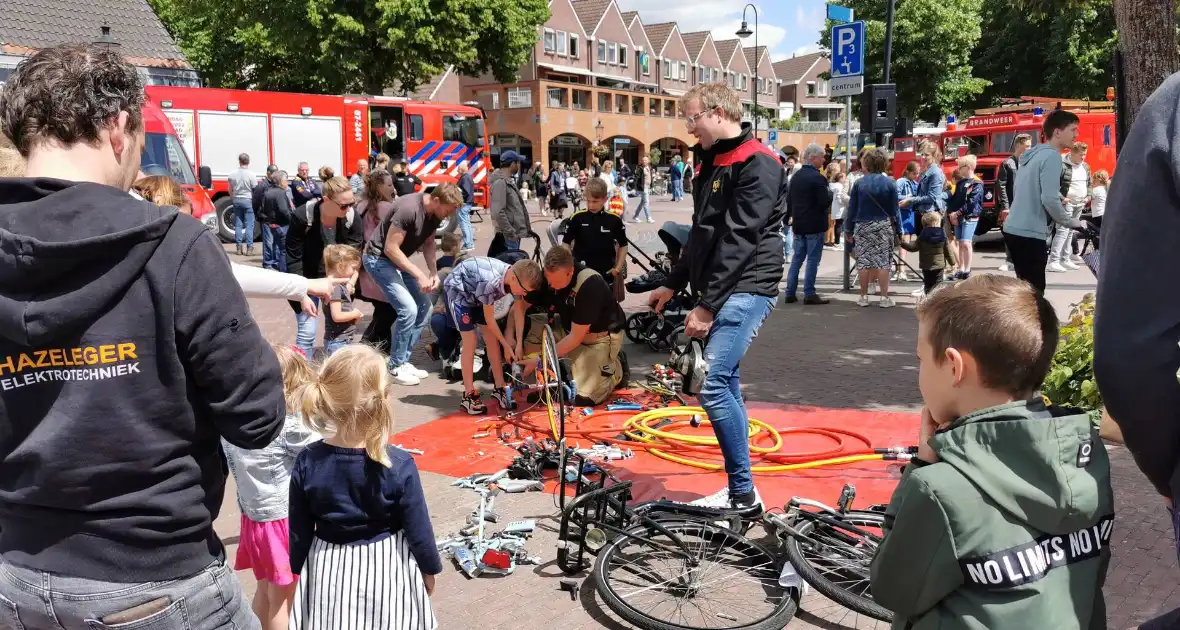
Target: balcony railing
808,126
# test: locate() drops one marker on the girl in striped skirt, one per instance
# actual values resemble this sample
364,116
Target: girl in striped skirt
361,539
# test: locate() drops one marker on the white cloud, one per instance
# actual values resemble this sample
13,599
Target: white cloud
769,35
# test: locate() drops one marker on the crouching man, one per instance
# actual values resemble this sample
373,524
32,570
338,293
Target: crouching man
586,320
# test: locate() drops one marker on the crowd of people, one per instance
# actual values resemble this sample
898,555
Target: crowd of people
146,334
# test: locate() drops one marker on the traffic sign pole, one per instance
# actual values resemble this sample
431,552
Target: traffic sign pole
848,60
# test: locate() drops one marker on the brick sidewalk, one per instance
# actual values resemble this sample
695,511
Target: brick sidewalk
837,356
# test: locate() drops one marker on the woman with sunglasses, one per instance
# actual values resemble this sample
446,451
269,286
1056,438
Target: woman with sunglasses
314,226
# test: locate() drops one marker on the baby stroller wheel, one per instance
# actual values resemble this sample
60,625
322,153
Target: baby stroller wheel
637,323
661,335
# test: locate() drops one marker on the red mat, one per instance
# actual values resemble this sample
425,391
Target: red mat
450,449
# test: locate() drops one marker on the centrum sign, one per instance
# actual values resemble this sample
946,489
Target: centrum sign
991,121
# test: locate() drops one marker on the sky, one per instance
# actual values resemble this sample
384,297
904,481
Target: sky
788,27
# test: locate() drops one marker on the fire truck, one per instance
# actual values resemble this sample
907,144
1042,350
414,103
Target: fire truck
216,125
990,133
163,155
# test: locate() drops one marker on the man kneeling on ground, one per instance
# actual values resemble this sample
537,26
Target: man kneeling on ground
589,326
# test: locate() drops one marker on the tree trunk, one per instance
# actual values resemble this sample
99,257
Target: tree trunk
1147,39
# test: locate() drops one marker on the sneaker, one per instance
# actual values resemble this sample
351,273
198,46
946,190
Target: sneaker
636,221
650,220
501,397
402,376
815,299
884,303
1005,267
473,404
1055,268
790,299
918,292
420,373
722,500
903,277
1069,264
863,301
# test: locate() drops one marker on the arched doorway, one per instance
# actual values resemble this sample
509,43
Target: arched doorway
669,147
511,142
626,148
568,148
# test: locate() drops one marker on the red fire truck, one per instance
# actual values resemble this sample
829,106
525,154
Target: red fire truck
164,155
989,134
216,125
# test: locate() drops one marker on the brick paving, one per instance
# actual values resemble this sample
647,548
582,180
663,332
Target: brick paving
838,356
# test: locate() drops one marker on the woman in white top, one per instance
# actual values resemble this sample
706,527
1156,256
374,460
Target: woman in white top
1098,198
608,175
838,185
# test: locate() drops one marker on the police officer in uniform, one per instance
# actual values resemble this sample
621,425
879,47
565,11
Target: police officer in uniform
586,320
598,238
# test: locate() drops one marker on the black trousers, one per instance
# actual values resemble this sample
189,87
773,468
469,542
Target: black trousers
931,278
380,329
1029,257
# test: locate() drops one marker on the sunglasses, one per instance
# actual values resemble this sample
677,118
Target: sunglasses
343,206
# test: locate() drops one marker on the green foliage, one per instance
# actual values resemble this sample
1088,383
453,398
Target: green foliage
933,46
655,154
1070,382
343,46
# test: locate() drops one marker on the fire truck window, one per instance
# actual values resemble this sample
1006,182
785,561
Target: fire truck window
904,145
957,146
162,154
1002,141
416,131
461,129
1106,136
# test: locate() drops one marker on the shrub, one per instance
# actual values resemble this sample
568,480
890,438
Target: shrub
1070,382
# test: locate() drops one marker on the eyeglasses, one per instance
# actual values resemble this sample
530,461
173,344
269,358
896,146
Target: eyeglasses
691,121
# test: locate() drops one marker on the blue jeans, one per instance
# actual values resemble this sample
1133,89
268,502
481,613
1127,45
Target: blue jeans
412,305
446,334
305,331
274,247
808,247
734,328
330,347
677,189
465,226
244,222
644,205
788,241
209,600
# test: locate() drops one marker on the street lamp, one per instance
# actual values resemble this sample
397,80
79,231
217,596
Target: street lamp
105,39
598,128
743,33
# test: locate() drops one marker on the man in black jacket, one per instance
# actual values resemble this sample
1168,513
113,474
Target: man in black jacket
733,263
274,212
127,352
1006,183
807,213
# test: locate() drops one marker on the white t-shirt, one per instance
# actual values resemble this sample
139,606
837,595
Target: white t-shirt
1077,183
1098,201
839,200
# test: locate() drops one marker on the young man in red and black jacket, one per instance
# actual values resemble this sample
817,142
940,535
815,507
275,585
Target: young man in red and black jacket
733,263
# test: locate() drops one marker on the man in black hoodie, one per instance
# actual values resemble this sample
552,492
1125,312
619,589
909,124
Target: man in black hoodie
127,351
733,263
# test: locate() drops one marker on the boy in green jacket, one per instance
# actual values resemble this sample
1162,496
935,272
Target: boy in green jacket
1004,518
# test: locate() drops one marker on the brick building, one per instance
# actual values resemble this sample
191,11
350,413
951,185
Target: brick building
600,76
804,90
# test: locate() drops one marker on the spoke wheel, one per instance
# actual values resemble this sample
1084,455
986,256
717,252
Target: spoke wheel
731,582
637,323
835,560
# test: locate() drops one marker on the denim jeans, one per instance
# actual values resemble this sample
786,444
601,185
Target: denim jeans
734,328
411,302
446,334
330,347
644,205
788,241
1060,251
677,186
305,331
808,247
274,247
209,600
244,222
465,226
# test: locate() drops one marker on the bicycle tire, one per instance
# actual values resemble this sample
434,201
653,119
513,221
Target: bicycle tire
777,619
852,601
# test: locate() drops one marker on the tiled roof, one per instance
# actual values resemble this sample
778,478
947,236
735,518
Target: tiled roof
753,55
725,49
628,16
793,69
424,92
694,42
35,24
658,34
590,13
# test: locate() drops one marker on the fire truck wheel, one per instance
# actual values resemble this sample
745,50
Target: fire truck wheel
448,225
226,221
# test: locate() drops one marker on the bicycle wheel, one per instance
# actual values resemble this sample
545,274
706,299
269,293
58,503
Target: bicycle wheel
835,559
655,589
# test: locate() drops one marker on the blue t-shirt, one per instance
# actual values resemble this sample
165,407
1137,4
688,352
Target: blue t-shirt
341,496
476,281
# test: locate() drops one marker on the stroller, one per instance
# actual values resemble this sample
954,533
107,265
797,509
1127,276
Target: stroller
661,332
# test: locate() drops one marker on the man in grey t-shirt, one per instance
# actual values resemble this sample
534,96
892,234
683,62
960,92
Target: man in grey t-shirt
241,188
409,228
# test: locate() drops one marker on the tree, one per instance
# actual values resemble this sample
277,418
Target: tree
933,43
341,46
1147,39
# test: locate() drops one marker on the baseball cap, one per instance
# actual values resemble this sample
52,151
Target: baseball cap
508,157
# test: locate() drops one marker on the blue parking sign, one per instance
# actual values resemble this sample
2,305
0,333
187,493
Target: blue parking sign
772,136
848,51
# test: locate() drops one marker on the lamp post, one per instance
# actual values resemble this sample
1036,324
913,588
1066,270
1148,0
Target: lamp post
598,128
743,33
105,39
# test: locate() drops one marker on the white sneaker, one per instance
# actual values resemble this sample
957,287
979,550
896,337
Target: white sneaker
721,500
402,376
635,221
919,292
863,301
885,303
651,220
420,373
1055,268
1069,264
1005,267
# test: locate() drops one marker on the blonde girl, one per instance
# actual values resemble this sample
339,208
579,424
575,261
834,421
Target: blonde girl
263,480
361,538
